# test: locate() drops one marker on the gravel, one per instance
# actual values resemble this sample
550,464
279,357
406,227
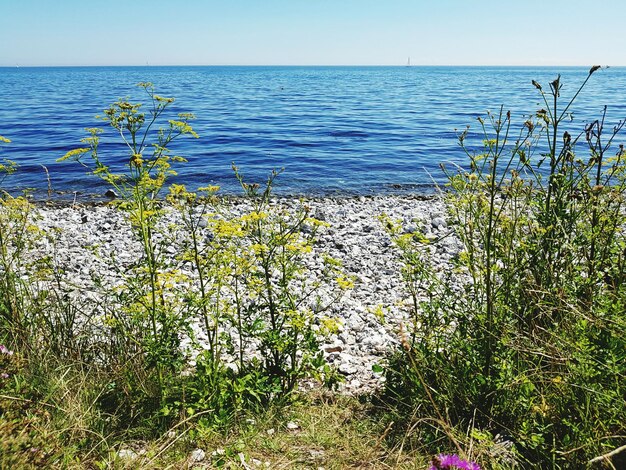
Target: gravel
83,241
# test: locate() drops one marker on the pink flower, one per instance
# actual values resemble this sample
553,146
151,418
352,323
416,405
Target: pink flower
5,350
4,375
452,462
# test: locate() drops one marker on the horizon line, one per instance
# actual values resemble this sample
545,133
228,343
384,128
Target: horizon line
17,65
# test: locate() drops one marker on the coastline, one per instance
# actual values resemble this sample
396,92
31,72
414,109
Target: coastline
61,199
355,236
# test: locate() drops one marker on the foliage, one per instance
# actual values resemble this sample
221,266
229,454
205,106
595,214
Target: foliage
219,317
277,304
237,287
20,298
250,278
533,347
21,442
149,322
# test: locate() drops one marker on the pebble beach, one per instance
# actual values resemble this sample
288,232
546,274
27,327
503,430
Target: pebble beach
355,236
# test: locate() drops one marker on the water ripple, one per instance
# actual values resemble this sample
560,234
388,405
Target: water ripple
350,129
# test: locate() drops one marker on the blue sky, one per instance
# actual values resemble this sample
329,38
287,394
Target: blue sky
312,32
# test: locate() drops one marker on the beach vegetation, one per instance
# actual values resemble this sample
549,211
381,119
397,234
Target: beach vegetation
197,353
525,365
245,289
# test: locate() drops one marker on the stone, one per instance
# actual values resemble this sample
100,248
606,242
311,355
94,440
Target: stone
198,455
439,223
347,369
127,454
317,454
411,228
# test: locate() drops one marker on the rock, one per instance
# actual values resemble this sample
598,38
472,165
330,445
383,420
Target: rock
317,454
198,455
293,426
320,215
127,454
110,194
347,369
439,223
411,228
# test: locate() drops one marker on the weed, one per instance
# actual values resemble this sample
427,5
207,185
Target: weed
531,348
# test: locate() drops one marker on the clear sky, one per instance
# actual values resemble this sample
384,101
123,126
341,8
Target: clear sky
312,32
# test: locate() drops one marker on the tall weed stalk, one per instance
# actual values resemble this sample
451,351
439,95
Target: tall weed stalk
533,347
149,320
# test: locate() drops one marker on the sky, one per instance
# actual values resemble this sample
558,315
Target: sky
312,32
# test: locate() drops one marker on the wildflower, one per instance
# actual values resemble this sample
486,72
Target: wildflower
74,154
344,283
136,159
451,462
5,350
530,125
4,375
209,189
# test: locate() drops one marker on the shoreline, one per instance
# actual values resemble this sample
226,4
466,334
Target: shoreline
356,236
62,199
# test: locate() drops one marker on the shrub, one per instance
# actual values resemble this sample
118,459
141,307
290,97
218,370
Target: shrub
147,324
533,347
240,282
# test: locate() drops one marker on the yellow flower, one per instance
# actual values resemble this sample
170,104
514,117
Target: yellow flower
330,325
344,283
259,248
136,159
224,228
209,189
254,216
75,154
163,100
178,190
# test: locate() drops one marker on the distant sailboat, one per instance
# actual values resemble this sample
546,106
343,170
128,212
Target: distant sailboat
408,62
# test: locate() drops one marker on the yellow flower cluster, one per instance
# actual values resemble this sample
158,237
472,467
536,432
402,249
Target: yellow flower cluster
227,229
344,283
254,217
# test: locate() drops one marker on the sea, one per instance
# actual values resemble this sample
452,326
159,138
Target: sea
331,130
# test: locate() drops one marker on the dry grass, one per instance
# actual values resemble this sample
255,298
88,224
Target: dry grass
319,432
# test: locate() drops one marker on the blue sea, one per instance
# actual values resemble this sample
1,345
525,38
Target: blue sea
346,130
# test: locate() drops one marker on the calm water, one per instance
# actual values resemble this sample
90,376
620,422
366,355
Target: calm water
333,129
